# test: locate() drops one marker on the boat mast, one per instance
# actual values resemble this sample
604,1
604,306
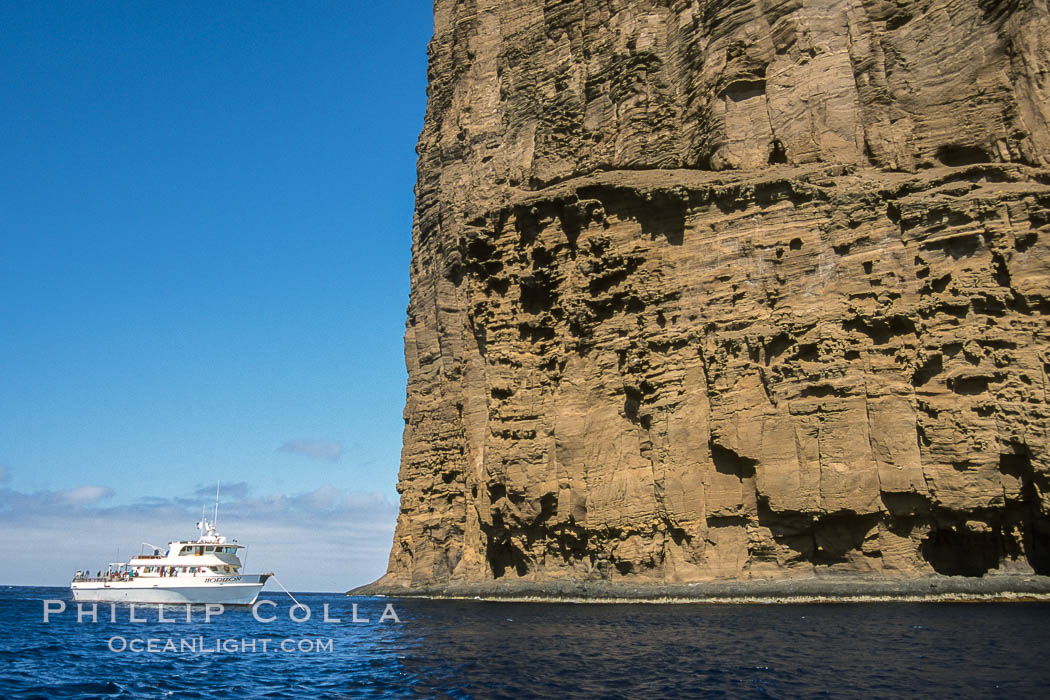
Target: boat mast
215,519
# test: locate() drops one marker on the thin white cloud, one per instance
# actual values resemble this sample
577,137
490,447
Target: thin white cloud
234,489
325,450
325,498
84,495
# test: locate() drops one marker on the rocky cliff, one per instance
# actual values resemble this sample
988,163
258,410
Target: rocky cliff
728,289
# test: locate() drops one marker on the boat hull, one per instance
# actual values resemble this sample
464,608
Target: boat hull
225,590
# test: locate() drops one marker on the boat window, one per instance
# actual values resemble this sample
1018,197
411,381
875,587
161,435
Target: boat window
198,551
184,550
209,549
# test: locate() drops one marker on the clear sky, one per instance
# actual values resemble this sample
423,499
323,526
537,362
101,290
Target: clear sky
206,227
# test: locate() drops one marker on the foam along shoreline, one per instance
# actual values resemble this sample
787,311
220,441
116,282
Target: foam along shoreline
995,588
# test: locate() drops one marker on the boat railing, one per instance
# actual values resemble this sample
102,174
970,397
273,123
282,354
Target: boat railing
109,578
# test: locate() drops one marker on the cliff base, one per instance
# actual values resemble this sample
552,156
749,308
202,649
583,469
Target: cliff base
838,588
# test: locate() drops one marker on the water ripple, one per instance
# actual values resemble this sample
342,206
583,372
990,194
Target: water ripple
460,649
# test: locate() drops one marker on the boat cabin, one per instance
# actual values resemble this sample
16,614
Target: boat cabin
208,555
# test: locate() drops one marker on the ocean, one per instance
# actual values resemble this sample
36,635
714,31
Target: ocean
475,649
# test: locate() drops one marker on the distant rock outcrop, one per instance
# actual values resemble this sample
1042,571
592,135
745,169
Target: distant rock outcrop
727,289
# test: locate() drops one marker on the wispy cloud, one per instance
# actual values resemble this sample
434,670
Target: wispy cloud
234,489
326,450
83,495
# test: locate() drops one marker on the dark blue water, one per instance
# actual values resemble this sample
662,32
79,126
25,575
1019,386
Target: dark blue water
514,650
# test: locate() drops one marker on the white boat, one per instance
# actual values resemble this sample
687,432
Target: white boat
205,570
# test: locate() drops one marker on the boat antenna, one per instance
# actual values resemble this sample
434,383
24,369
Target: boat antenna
215,519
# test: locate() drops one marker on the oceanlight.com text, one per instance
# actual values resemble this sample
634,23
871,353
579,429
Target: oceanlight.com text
200,645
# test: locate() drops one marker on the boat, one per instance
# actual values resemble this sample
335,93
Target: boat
201,571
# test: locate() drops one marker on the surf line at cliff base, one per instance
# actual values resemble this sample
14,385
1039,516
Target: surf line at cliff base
1001,588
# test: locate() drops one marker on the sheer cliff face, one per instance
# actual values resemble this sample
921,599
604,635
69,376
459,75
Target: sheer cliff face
728,289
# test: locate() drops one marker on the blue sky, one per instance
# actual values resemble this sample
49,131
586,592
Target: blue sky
205,242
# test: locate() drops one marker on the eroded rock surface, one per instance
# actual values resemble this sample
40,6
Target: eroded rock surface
729,290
